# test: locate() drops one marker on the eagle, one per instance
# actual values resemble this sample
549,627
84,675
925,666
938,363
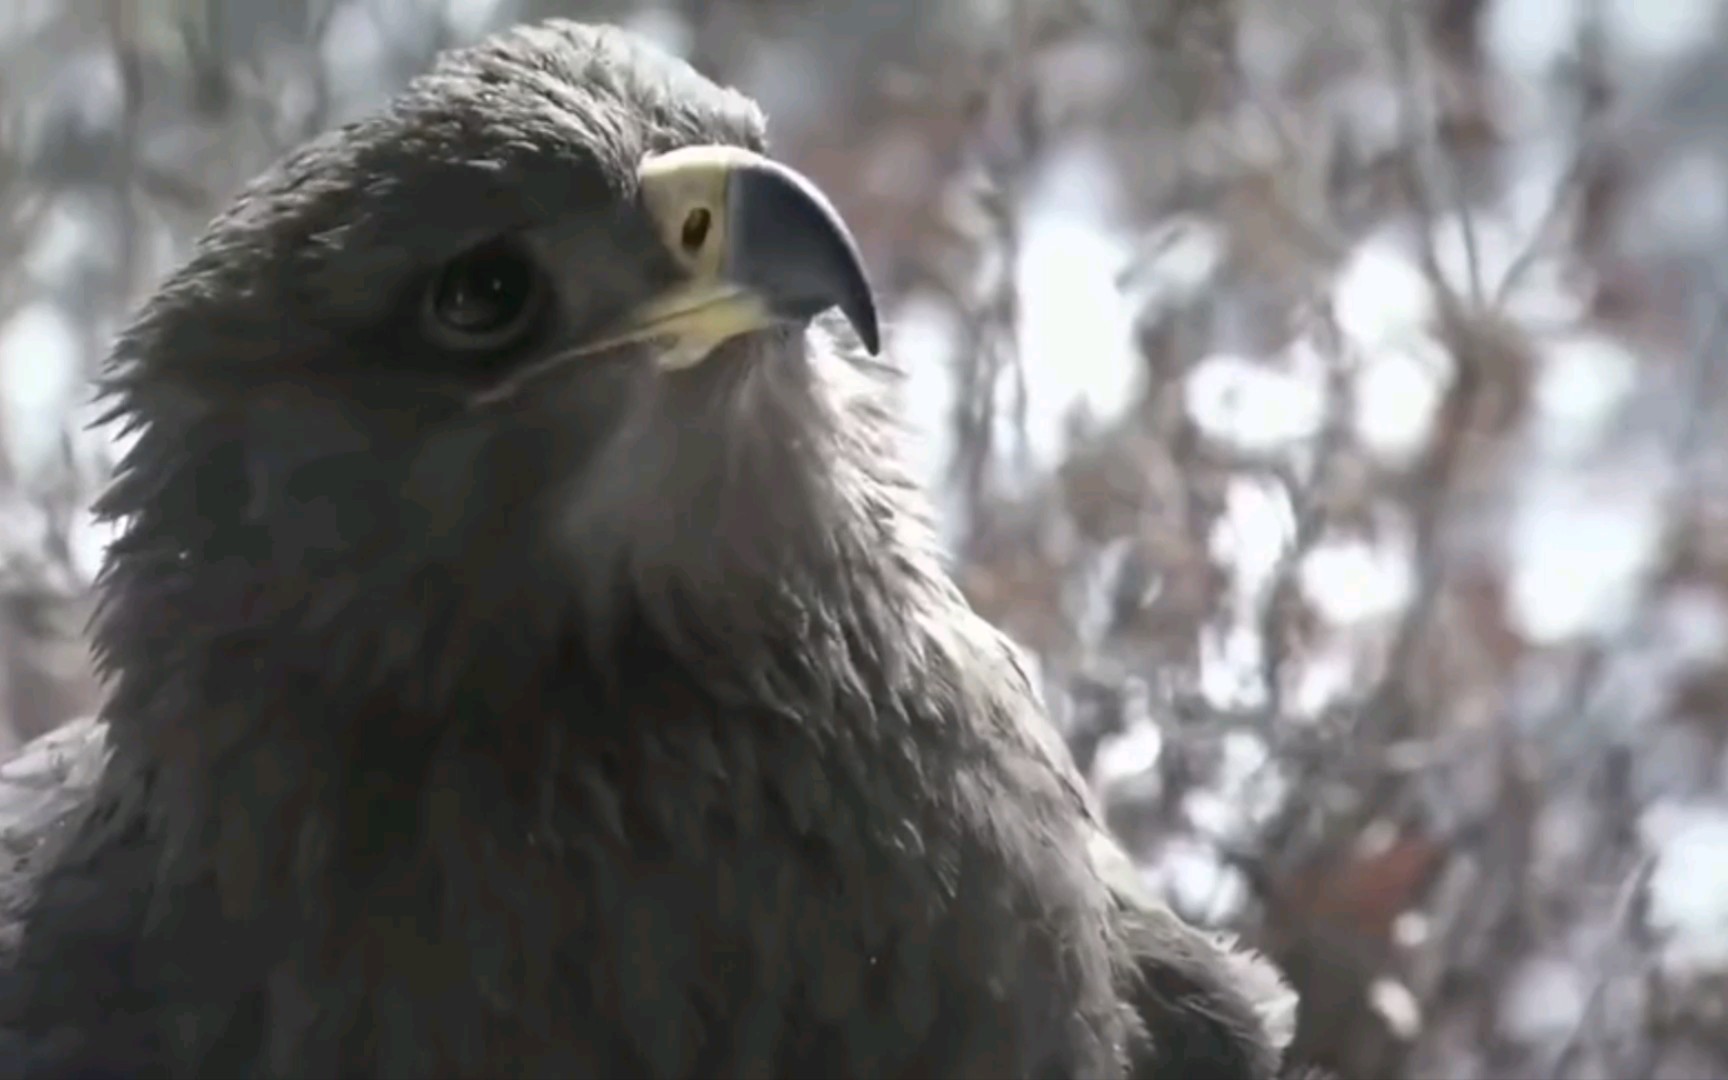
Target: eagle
527,655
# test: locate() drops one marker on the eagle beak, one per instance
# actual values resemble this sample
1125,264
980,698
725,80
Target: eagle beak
760,246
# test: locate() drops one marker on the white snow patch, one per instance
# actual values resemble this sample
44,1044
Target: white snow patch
1352,581
1253,533
1544,999
664,26
1177,262
1528,37
1397,1006
1688,891
1580,548
1257,407
357,55
1076,329
1397,395
1212,813
1128,755
470,19
1367,113
1382,298
1327,676
1581,384
1247,792
922,338
87,543
40,375
1638,31
1230,667
1412,929
61,241
1199,884
1250,538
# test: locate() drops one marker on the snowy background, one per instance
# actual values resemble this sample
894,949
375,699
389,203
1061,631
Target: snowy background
1326,391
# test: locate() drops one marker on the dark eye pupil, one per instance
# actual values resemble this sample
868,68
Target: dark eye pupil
696,228
484,291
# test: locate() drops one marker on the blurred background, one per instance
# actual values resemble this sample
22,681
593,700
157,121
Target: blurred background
1326,391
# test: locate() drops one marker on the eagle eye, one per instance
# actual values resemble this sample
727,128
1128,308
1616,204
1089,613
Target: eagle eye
484,298
695,231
